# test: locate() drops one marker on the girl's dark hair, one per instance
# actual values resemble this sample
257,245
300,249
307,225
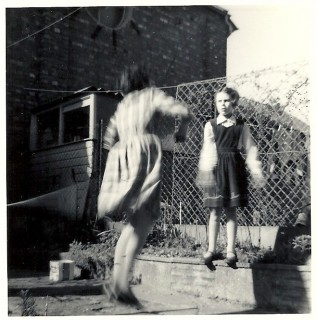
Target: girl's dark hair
233,94
134,77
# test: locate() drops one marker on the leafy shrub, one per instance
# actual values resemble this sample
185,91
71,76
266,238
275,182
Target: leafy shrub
301,249
253,254
95,259
302,243
168,241
294,251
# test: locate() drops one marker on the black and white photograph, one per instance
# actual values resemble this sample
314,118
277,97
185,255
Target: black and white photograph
158,158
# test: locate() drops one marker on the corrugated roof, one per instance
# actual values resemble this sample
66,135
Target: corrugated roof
79,93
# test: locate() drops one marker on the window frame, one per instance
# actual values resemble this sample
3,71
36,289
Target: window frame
81,102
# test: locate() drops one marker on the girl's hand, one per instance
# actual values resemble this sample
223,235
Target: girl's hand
259,180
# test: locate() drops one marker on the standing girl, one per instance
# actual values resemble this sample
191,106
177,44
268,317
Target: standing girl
222,172
132,177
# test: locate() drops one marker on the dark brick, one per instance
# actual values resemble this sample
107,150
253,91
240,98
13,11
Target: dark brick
177,42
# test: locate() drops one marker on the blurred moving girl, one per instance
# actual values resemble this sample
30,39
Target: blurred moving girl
132,177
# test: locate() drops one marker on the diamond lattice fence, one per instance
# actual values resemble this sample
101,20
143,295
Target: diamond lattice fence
274,103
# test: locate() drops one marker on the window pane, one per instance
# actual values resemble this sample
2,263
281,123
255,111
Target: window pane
76,124
47,124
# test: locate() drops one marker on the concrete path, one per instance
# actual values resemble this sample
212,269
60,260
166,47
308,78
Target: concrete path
84,297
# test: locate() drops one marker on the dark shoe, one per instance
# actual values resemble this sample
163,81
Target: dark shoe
124,297
129,298
232,260
208,257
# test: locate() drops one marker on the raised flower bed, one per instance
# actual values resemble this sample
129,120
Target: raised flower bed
277,279
276,287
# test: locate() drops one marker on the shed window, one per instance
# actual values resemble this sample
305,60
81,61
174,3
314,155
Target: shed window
76,124
65,123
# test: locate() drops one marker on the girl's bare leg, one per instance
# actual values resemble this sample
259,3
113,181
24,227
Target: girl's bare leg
120,252
213,230
133,239
232,226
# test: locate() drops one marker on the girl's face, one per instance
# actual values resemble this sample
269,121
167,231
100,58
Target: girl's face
224,104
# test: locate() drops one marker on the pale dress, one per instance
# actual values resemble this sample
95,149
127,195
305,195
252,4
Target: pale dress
132,175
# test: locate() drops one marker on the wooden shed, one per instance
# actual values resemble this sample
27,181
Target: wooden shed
66,153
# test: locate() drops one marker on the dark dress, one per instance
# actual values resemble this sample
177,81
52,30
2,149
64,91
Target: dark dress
230,171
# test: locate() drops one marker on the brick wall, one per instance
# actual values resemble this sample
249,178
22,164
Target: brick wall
181,44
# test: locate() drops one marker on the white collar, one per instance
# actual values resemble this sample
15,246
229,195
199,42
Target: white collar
221,119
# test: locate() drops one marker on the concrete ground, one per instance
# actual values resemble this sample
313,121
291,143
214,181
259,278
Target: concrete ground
84,297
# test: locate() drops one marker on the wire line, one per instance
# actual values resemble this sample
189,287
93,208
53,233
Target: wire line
33,34
73,91
68,91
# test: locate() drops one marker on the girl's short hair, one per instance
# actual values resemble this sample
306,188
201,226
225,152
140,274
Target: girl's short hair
134,77
233,94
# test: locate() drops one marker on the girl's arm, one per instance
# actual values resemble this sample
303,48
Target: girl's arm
111,135
167,105
208,158
252,159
